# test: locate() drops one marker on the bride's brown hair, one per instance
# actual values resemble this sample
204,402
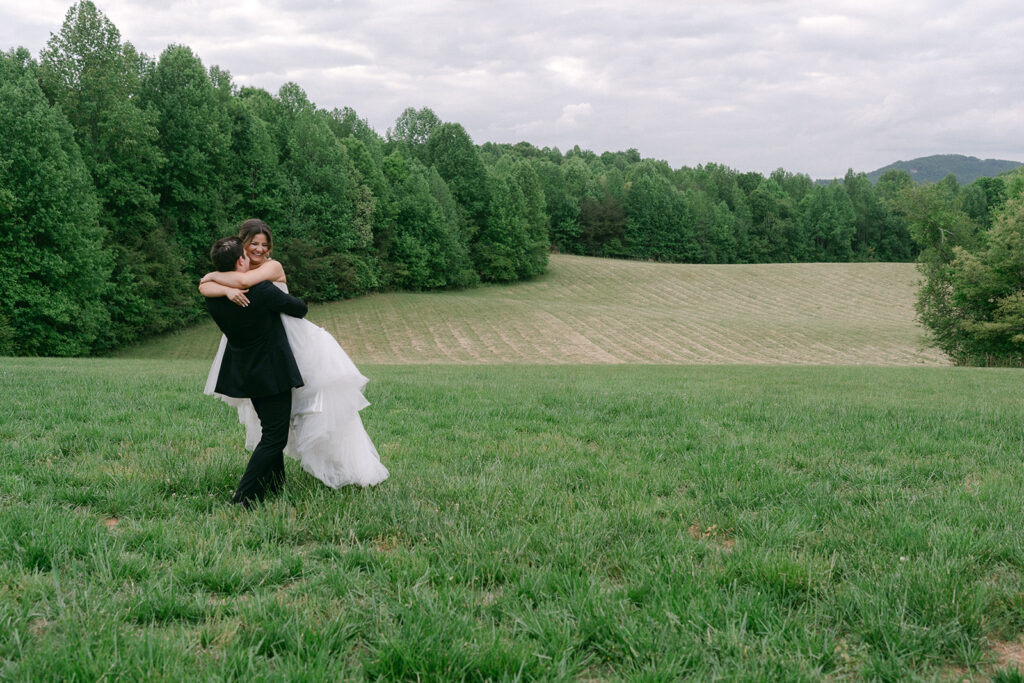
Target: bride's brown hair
252,227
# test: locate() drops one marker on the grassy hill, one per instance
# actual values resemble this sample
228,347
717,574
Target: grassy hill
603,311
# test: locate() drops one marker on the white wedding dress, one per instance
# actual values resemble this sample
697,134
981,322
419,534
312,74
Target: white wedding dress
326,434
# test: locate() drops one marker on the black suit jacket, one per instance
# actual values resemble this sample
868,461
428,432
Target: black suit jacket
258,360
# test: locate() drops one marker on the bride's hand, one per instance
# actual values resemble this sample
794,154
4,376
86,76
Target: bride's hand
237,296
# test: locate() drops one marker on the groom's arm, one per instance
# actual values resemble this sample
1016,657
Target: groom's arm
280,302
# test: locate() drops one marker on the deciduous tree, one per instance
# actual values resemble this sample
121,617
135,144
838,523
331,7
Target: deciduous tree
195,139
451,151
96,79
55,269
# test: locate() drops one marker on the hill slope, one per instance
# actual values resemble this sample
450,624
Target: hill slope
588,310
934,168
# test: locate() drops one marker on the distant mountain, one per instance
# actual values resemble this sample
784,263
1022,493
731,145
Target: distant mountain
936,167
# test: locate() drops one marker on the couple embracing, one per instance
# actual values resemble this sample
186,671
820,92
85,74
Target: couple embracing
295,389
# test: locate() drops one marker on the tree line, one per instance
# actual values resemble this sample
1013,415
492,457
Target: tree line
620,205
972,262
118,170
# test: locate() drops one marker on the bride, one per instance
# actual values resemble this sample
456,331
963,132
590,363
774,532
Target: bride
326,435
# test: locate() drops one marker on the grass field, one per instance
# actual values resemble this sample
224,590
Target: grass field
547,522
620,471
587,311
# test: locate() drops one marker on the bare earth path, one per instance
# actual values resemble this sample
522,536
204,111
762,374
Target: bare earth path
588,310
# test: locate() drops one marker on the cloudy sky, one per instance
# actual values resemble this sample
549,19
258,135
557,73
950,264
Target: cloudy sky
813,87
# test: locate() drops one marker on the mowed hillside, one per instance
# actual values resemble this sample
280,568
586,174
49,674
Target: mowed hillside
589,310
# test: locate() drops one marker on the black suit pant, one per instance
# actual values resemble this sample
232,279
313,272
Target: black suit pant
265,472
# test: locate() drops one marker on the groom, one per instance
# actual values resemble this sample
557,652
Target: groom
258,364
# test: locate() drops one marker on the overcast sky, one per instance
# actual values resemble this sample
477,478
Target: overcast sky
813,87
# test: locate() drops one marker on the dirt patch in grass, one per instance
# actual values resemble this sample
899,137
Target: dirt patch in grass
1010,655
722,538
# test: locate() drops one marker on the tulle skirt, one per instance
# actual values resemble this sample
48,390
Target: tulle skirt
326,435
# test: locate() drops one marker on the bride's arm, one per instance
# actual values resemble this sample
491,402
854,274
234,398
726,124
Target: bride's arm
271,270
211,290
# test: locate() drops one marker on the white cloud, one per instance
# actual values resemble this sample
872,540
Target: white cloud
571,113
753,84
572,71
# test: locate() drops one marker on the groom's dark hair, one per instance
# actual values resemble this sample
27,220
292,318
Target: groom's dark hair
225,253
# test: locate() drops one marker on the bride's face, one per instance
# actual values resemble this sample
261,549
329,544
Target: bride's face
258,250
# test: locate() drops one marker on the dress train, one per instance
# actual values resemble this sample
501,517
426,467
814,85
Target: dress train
326,434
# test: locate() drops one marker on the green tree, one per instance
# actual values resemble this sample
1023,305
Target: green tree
96,81
986,295
896,243
273,112
940,228
329,215
425,251
949,186
795,185
537,245
828,224
374,208
714,227
936,221
772,223
562,209
982,198
580,186
55,269
602,213
729,240
410,261
195,139
451,151
603,225
412,131
892,184
1014,181
749,181
870,215
499,251
346,124
657,225
365,165
254,185
459,263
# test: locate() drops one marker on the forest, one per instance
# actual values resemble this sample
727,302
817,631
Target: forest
118,170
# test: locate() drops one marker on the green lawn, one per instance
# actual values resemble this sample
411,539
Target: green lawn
541,522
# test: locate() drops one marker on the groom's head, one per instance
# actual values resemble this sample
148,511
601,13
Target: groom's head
228,254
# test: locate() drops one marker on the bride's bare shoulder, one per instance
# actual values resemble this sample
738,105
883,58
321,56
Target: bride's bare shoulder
275,269
280,268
